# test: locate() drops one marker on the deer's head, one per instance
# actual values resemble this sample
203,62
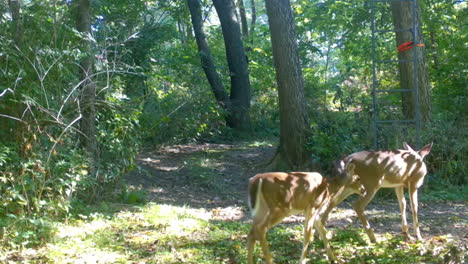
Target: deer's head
343,174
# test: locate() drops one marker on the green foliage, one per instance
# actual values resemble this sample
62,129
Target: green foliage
440,190
24,232
336,134
42,167
33,193
133,196
448,155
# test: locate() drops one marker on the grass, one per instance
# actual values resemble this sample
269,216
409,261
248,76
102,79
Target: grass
156,233
153,234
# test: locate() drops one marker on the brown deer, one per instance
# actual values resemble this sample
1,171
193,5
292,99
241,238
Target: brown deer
275,195
387,169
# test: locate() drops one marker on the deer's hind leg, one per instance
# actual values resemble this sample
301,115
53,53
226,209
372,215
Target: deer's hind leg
258,232
413,194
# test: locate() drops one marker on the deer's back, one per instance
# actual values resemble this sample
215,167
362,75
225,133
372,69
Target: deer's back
295,190
388,168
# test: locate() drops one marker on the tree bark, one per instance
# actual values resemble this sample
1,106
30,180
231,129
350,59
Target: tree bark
205,55
294,124
402,13
237,62
434,50
15,7
88,88
243,17
254,19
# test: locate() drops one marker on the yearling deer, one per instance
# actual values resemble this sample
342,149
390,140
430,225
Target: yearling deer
387,169
275,195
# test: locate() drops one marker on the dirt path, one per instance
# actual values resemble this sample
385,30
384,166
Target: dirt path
214,176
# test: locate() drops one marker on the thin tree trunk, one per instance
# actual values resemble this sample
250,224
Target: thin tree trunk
434,50
205,55
17,31
237,61
402,13
88,88
254,19
294,124
243,17
327,62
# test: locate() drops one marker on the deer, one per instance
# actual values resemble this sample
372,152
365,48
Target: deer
276,195
399,169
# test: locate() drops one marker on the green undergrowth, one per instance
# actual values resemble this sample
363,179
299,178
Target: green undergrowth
156,233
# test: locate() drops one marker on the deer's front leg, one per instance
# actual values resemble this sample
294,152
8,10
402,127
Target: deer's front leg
399,191
413,194
360,206
337,200
308,233
323,234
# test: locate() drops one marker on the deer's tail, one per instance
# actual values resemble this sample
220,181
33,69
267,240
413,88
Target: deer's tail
255,187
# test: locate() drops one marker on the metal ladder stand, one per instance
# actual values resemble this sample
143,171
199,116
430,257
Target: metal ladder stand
375,82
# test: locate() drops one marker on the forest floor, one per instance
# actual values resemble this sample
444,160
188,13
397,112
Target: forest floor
215,176
187,204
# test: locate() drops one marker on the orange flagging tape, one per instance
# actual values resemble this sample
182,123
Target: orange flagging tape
408,45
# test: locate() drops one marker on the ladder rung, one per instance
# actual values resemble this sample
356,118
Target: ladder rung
392,61
395,121
395,90
393,30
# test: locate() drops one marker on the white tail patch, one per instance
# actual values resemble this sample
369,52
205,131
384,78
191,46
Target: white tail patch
259,196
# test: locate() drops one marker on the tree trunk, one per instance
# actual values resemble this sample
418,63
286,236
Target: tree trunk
294,125
15,7
254,19
88,88
205,55
237,61
402,13
434,50
243,17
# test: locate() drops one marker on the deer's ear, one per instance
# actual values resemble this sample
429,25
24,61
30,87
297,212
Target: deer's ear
425,150
339,165
407,147
342,164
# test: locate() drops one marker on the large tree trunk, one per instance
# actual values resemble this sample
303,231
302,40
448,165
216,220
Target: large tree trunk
293,113
88,88
237,61
402,13
205,55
